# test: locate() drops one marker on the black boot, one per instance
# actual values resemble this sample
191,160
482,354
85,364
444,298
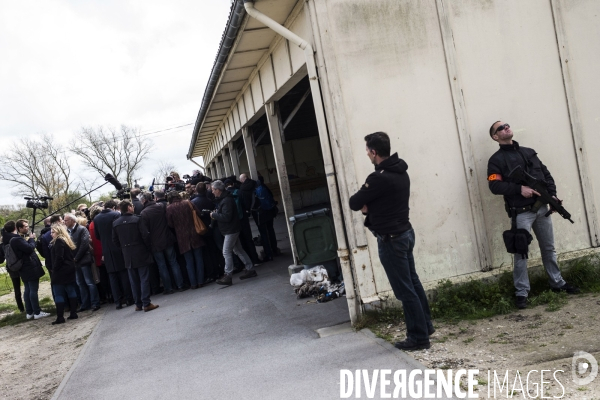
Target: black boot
60,314
73,305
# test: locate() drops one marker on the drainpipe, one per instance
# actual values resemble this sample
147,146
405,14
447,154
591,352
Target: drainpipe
343,253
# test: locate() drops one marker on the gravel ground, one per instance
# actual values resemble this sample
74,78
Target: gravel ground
528,340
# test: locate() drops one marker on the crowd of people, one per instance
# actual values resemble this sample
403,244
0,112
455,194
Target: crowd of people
123,252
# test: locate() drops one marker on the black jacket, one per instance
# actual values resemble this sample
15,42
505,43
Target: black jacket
226,214
25,249
203,203
132,237
503,161
103,228
63,263
385,193
137,206
247,194
154,216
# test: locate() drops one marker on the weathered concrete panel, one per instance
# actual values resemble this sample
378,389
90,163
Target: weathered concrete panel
300,27
391,64
509,40
582,28
257,92
281,61
267,80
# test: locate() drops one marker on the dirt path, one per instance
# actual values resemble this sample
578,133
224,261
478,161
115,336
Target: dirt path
527,340
35,355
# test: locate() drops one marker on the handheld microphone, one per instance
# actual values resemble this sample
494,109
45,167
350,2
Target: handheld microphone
113,181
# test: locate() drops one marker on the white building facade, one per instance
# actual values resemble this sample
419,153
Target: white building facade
434,75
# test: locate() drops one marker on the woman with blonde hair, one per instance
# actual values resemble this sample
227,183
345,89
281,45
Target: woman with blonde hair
63,272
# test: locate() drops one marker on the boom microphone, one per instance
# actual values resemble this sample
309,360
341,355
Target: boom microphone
113,181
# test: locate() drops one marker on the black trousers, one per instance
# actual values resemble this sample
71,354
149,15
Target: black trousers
246,240
140,285
104,285
16,282
120,286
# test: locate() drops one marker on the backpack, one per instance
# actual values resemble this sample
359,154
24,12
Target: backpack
266,198
13,263
238,203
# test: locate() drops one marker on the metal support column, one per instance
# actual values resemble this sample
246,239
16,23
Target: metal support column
274,120
249,145
234,160
226,163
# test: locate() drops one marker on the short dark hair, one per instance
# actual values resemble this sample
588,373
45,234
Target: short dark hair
10,226
159,194
124,206
109,205
201,188
380,142
21,222
54,219
492,129
173,195
134,192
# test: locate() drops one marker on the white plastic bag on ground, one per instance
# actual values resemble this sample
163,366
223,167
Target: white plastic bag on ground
313,275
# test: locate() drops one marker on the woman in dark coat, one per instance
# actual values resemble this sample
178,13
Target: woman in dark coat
180,218
63,273
31,271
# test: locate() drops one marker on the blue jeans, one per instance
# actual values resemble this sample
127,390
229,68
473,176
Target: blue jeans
140,285
194,264
64,292
232,245
30,295
159,257
87,287
396,255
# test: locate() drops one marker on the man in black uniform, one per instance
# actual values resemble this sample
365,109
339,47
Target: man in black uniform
522,198
384,200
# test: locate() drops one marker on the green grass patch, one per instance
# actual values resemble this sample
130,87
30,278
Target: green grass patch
46,304
477,299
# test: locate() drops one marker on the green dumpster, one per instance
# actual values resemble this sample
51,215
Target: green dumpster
315,239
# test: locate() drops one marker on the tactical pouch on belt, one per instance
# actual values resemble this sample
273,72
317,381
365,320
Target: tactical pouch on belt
517,240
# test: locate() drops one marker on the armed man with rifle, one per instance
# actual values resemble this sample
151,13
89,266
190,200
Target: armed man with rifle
529,193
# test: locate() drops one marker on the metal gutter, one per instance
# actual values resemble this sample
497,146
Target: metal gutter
236,16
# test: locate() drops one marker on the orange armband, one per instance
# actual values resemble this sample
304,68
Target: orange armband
495,177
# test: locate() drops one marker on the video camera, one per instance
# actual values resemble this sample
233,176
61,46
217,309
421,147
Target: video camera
38,202
123,194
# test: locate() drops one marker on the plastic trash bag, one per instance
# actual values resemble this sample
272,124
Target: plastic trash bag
313,275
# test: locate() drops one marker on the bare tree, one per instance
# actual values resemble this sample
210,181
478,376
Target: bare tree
87,185
38,168
163,169
108,150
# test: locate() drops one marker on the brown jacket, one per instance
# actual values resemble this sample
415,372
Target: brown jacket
180,218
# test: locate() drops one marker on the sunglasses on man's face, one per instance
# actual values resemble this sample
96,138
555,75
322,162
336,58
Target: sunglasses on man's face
502,127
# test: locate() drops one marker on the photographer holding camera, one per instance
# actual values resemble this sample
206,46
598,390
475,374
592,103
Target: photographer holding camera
30,270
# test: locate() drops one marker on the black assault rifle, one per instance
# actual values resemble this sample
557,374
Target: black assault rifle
518,175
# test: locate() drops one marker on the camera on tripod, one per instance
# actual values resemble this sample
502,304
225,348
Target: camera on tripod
38,202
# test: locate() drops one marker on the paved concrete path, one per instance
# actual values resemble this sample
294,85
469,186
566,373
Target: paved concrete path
253,340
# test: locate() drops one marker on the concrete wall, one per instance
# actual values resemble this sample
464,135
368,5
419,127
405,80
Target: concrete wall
390,65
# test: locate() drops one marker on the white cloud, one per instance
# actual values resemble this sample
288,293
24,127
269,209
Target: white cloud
142,63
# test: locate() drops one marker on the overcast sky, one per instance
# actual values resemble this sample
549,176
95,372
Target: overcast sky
67,64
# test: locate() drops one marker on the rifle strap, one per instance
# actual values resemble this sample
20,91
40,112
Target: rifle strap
513,213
